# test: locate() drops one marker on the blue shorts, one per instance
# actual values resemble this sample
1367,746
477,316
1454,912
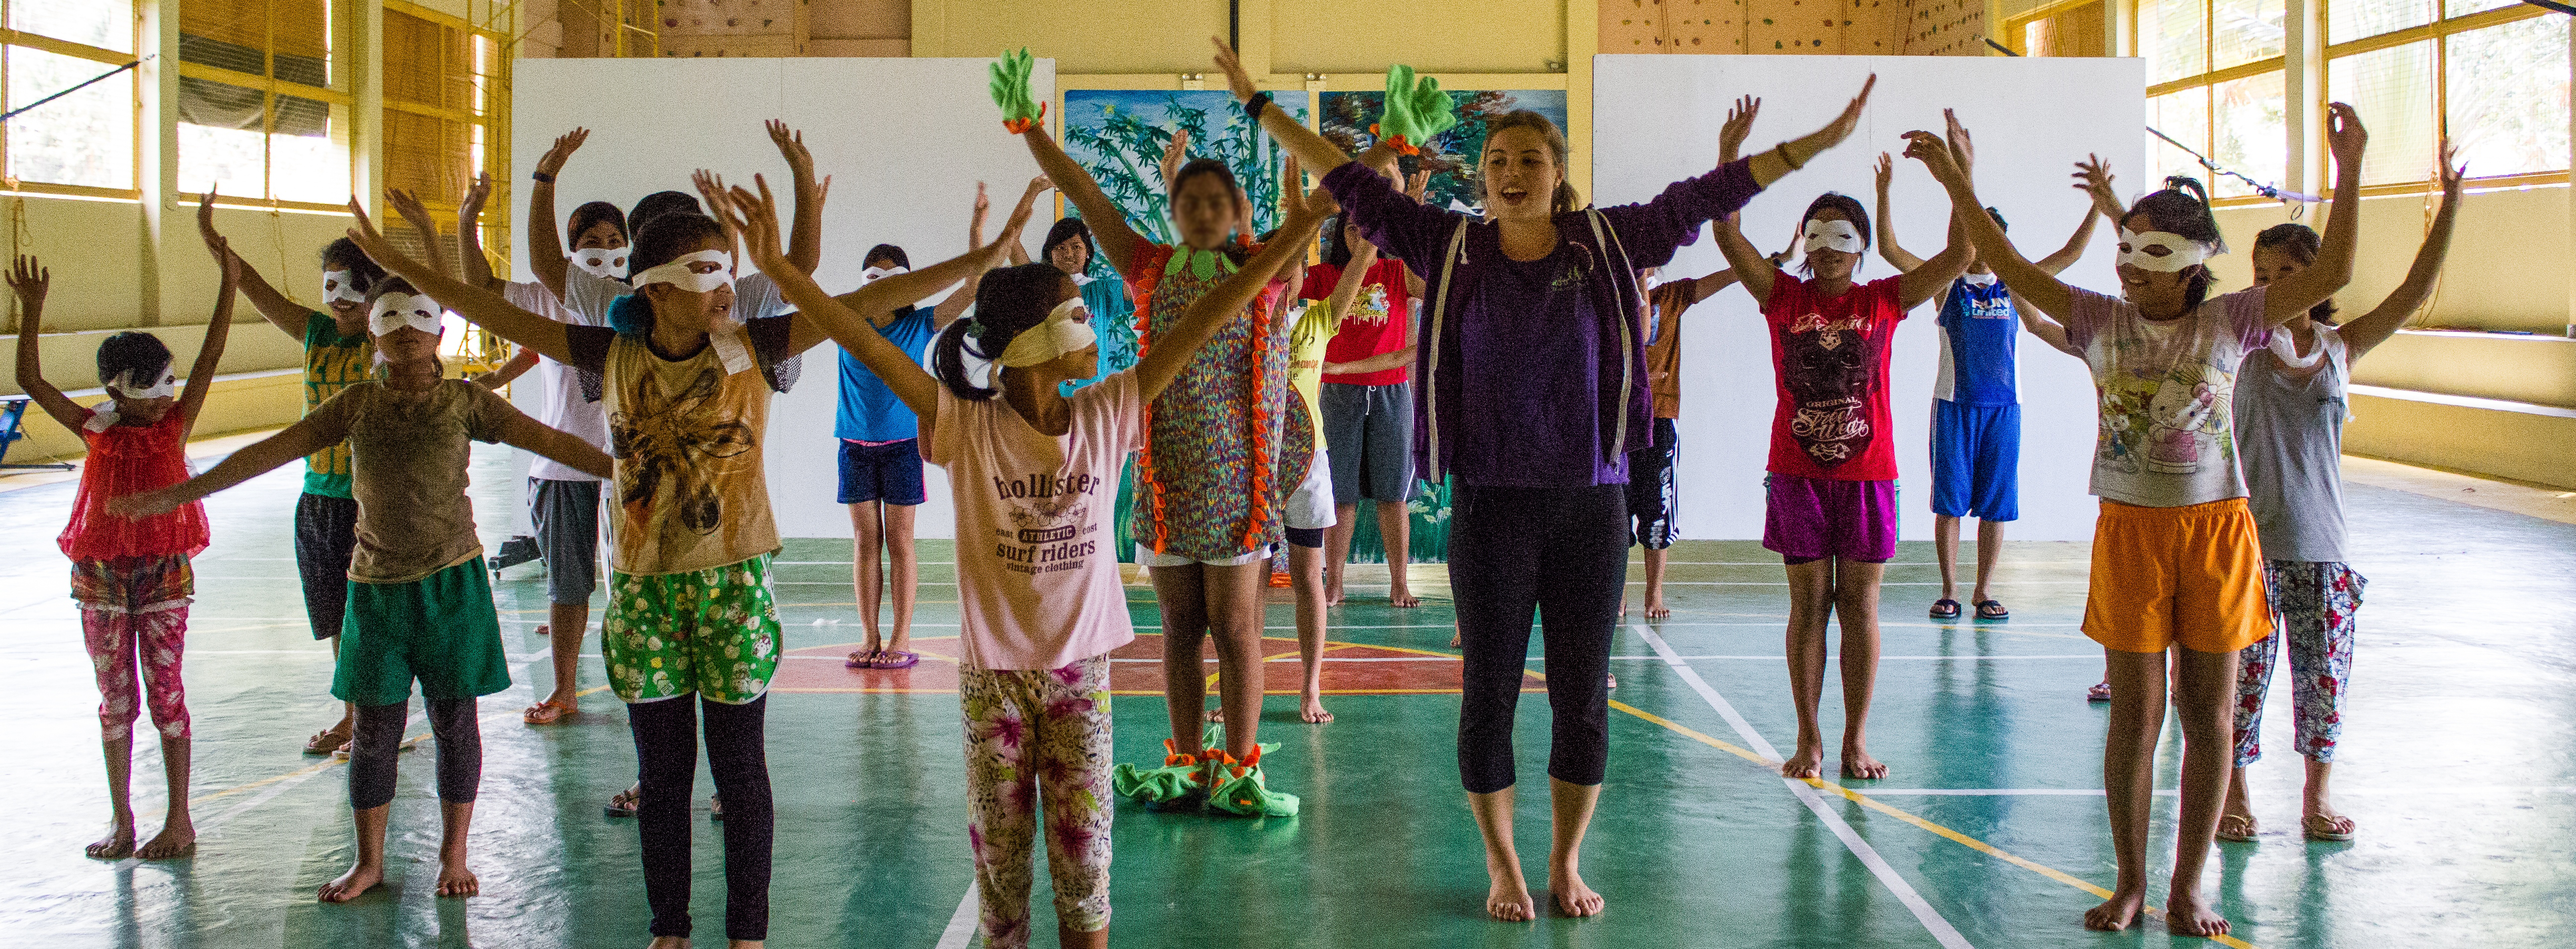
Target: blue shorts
890,472
1976,460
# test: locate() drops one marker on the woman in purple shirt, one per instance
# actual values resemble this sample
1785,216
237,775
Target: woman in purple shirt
1533,391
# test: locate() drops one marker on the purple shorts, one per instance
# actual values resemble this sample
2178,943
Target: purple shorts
1810,519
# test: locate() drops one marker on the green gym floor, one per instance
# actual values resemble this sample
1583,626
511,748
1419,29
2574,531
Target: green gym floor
1987,832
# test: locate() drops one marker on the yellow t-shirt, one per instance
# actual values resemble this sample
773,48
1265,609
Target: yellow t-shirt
1306,340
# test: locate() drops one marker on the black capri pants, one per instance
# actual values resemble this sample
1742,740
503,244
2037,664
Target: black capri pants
1559,556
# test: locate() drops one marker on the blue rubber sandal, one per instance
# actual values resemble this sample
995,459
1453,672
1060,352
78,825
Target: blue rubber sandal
1945,609
1992,611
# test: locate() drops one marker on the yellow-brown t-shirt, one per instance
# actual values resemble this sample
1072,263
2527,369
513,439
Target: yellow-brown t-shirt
407,460
685,436
1664,343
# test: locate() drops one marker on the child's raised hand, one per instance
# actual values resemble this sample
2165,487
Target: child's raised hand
1886,173
1963,148
1418,184
1739,125
206,219
2452,172
1175,154
377,248
791,145
412,211
470,206
754,217
565,145
2344,134
1935,155
29,280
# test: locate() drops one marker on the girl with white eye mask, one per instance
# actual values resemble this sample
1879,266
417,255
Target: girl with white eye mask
2177,566
1831,509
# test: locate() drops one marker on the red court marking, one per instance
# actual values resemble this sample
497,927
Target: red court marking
819,669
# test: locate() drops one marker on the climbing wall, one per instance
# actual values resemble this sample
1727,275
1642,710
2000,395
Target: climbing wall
695,28
1801,27
1944,27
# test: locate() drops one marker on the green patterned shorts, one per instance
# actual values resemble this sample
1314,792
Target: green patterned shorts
713,632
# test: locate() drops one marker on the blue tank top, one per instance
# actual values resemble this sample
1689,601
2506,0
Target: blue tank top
1978,329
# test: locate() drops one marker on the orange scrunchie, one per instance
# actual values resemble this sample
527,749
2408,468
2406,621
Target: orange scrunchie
1016,126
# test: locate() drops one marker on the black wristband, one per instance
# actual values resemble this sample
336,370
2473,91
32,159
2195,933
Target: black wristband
542,177
1252,107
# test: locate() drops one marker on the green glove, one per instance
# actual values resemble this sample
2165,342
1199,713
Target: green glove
1416,111
1020,109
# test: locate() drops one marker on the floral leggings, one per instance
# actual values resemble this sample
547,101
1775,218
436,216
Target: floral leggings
1033,735
134,620
2315,603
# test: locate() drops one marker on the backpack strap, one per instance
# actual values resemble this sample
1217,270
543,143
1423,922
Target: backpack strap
1606,236
1431,368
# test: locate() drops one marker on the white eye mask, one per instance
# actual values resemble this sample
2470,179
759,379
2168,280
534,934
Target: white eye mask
2183,252
678,274
126,384
395,310
1067,330
1833,235
338,285
604,264
874,274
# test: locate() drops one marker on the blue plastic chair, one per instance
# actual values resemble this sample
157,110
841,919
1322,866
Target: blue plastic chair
13,416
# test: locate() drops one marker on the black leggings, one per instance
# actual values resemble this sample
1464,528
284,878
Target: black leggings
1561,553
666,756
378,738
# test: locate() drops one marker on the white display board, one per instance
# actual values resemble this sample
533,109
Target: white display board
1655,121
905,141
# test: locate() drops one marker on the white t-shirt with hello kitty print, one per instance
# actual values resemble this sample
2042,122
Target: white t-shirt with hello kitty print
2165,437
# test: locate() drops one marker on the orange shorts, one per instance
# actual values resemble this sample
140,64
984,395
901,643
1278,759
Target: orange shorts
2166,575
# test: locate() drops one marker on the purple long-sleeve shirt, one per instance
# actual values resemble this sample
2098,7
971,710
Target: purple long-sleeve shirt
1521,383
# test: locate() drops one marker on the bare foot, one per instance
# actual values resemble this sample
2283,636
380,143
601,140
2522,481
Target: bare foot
174,840
117,845
1859,765
668,942
1809,762
1509,900
1333,592
1623,606
359,879
1655,608
1454,639
1403,598
1571,896
742,944
2116,913
1313,711
1216,715
2185,916
454,879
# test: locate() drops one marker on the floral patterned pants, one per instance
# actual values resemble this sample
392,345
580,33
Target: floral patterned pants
2314,603
713,632
150,643
1033,736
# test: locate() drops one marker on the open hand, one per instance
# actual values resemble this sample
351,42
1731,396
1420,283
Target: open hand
29,280
1842,125
565,145
1963,149
1934,153
1236,79
1418,184
1886,173
2453,171
377,248
469,207
2344,134
791,145
1175,154
206,222
1739,124
753,217
407,205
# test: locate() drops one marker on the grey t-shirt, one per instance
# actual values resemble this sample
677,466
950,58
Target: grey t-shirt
2289,431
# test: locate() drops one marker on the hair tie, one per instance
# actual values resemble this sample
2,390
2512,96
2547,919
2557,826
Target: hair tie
1396,142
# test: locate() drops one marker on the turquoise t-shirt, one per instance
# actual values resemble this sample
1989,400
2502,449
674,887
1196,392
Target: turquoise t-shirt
1113,320
869,410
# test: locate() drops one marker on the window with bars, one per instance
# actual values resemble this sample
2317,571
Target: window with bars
264,104
82,142
2214,84
2491,72
442,89
2063,28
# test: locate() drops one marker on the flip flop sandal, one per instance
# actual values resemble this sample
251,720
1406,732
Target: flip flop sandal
327,741
896,659
547,713
2236,829
2100,692
1945,609
862,659
622,803
2322,829
1991,611
1614,681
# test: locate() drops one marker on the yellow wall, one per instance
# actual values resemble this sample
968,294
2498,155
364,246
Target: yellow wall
2507,268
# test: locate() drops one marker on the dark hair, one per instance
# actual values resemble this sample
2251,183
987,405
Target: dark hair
1336,251
1008,301
343,254
2000,225
1851,210
139,353
2302,244
655,205
887,252
2182,207
588,215
1565,198
660,241
1069,229
388,287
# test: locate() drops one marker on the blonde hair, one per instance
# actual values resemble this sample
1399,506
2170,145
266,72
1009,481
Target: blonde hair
1565,199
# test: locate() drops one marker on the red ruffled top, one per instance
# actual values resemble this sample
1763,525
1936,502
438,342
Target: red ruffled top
130,459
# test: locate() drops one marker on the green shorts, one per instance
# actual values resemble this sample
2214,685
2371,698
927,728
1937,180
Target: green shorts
713,632
440,629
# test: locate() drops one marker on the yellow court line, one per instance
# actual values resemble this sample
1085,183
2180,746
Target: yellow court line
1874,804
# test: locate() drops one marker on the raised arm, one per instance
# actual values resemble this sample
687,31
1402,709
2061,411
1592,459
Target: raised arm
805,238
484,307
1920,283
210,352
2046,327
2294,293
2362,335
2039,287
520,431
273,306
1174,348
30,281
519,364
2093,177
2074,250
755,218
471,265
1109,229
955,305
1316,154
1888,250
545,246
408,207
1791,155
1750,267
313,433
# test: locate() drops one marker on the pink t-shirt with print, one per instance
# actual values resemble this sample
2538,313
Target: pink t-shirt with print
1037,566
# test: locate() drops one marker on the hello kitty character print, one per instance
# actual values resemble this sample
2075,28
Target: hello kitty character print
2165,389
1830,357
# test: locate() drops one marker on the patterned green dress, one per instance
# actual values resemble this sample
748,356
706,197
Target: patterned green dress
1222,452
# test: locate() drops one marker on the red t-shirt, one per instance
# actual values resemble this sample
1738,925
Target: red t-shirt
1829,357
1375,325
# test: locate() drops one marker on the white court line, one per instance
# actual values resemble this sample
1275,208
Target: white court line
961,924
1931,919
2088,655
